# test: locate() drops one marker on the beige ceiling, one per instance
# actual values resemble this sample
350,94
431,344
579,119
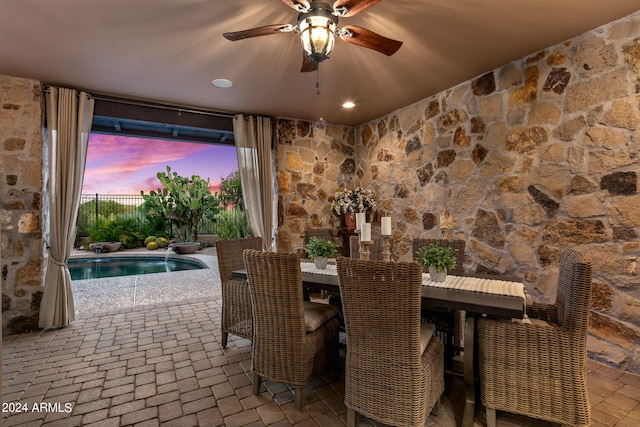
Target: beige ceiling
170,50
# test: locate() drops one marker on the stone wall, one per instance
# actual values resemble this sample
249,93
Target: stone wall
531,158
312,161
21,118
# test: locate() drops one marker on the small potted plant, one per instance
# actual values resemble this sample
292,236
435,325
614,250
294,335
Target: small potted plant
320,251
438,259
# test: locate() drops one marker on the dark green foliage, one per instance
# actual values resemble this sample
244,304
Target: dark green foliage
106,209
232,224
231,191
122,228
443,258
320,247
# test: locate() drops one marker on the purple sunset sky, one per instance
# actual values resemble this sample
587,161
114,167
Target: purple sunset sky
126,165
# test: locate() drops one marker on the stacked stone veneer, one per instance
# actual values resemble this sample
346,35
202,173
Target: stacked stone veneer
21,113
313,161
539,155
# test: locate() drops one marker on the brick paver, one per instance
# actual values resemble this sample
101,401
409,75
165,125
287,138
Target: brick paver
163,365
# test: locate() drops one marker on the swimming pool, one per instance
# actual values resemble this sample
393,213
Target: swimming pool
100,267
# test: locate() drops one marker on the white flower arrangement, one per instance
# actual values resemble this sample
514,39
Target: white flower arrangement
353,201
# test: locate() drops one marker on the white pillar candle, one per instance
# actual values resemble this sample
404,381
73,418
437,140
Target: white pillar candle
365,232
361,218
386,226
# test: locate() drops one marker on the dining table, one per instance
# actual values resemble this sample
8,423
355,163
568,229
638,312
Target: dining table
477,295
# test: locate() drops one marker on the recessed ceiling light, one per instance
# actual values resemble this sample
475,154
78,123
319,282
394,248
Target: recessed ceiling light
349,104
222,83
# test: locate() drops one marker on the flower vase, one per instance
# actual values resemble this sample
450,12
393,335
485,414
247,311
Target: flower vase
321,262
350,220
436,275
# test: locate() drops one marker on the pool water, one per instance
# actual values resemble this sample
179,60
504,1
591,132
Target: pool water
97,268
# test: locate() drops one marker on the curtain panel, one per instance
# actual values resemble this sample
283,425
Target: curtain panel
69,115
253,138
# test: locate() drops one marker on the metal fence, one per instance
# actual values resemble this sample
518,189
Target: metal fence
94,206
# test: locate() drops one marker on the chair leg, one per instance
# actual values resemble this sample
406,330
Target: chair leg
257,383
225,338
491,417
436,408
352,417
299,392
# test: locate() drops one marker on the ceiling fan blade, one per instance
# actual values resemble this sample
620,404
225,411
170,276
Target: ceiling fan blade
298,5
353,6
366,38
267,30
307,64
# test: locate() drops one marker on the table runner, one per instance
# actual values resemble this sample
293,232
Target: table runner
471,284
476,284
309,267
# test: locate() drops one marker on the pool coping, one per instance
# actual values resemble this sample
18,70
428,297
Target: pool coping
123,292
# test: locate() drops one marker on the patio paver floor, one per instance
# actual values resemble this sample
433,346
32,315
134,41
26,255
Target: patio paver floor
162,365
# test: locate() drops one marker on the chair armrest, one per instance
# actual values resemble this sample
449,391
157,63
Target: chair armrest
543,311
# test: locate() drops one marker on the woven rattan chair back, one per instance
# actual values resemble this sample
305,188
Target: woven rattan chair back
459,245
385,378
322,233
282,350
229,253
237,318
376,248
574,293
550,382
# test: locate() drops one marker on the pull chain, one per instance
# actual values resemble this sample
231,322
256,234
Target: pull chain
318,80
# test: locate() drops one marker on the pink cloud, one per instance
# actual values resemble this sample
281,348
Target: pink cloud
124,165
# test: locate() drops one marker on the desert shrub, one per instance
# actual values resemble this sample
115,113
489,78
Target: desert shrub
105,208
232,224
120,228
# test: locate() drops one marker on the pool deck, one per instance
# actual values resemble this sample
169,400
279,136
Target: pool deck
93,296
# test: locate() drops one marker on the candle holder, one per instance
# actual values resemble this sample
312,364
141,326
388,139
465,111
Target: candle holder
365,250
386,248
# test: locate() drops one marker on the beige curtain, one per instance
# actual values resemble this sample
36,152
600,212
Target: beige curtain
69,116
253,138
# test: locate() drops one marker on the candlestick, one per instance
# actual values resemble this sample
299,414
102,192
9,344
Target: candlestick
364,249
365,232
361,218
386,226
386,248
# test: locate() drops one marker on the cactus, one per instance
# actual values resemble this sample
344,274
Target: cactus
183,201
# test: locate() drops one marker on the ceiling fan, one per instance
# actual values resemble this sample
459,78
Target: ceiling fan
318,25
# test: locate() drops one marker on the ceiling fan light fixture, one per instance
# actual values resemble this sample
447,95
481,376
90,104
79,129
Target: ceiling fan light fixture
317,31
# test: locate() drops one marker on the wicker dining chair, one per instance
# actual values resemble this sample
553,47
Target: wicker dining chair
449,323
376,248
293,341
538,369
236,316
394,363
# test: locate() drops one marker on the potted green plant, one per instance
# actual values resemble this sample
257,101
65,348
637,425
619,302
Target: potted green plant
438,259
320,251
